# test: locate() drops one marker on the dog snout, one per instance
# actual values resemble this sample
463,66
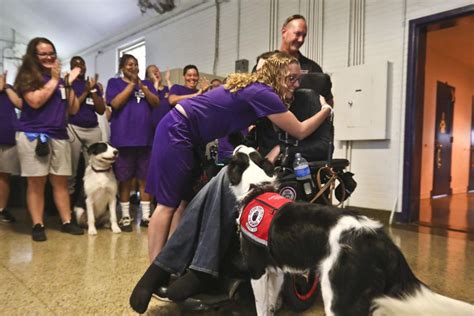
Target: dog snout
115,152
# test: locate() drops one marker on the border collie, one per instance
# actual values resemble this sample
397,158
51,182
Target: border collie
100,189
362,271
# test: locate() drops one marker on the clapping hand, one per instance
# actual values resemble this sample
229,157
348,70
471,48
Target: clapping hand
56,70
91,82
204,84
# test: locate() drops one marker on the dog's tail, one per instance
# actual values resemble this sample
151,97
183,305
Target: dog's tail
422,302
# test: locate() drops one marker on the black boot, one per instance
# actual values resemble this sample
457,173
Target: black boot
153,278
192,283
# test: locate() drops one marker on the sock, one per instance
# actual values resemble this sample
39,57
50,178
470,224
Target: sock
145,209
191,283
125,206
153,278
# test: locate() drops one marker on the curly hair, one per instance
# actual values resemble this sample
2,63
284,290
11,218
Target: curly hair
273,73
29,76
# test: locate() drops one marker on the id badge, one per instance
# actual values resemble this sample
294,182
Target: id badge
89,101
63,92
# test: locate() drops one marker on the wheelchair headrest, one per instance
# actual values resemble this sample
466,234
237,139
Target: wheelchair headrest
320,83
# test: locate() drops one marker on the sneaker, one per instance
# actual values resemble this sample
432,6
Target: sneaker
71,228
6,216
144,222
125,224
38,233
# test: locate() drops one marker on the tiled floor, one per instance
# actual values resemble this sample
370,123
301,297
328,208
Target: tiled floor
453,211
85,275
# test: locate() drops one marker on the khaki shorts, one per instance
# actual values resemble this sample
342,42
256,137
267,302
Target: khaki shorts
57,162
9,160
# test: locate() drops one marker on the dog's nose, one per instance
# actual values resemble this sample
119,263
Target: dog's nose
115,152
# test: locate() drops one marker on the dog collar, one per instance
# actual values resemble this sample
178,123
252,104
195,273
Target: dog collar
258,214
101,170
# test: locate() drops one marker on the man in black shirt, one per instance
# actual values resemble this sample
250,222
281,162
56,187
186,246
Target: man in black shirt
315,146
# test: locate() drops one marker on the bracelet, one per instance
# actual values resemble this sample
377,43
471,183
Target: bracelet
93,90
327,106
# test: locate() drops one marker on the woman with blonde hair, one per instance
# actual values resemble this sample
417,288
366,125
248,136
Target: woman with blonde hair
195,121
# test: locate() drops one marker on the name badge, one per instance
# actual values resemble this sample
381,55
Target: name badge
139,95
63,92
89,101
304,72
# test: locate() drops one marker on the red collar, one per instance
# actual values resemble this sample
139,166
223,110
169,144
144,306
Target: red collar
257,216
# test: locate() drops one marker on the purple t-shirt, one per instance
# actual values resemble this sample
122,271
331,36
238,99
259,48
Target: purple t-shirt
219,112
177,89
163,108
226,149
86,116
8,120
131,125
50,118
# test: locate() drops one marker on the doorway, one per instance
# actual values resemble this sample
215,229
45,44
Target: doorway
439,60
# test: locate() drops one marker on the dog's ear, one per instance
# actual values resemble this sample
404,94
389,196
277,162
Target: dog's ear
92,150
236,167
268,167
97,148
263,163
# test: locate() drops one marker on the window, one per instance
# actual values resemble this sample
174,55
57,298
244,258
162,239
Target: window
137,50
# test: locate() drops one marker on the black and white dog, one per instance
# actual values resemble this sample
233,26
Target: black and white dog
362,271
100,190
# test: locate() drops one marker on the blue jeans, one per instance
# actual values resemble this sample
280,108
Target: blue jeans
205,231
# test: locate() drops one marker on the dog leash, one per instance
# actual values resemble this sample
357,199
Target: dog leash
322,188
83,144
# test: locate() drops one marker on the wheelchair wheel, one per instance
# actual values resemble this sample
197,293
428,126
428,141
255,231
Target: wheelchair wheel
299,292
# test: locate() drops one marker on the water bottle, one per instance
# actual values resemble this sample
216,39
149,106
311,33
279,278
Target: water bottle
303,173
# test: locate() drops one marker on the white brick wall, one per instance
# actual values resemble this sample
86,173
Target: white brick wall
189,38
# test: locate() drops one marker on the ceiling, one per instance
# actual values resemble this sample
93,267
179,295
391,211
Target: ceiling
72,25
454,39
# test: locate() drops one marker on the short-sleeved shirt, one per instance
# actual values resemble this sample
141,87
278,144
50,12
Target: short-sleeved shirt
8,120
86,116
163,108
51,118
177,89
130,126
219,112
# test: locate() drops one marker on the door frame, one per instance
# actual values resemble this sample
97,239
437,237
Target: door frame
414,109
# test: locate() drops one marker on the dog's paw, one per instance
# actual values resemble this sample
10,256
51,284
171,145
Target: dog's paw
92,231
116,229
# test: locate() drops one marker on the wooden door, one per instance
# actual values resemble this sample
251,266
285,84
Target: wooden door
443,139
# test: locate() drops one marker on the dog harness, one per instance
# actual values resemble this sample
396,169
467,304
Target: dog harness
258,214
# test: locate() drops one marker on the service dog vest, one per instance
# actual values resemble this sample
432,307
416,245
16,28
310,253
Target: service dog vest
257,216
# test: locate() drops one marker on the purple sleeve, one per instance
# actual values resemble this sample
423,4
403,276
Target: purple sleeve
266,102
176,90
150,86
112,90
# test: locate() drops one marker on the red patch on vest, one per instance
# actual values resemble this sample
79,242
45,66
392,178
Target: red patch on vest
258,214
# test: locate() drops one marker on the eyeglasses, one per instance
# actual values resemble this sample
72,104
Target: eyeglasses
293,78
43,55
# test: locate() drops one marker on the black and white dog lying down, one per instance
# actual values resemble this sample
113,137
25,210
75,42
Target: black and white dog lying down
362,271
100,190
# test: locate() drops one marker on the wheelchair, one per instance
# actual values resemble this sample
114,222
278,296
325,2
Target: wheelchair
329,180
